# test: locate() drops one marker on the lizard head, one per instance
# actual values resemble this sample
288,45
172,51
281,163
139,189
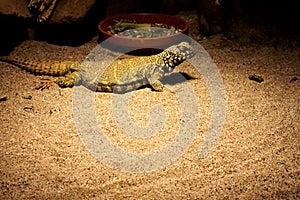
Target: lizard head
176,54
184,50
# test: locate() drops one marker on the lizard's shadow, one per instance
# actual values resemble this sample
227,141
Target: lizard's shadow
172,79
176,77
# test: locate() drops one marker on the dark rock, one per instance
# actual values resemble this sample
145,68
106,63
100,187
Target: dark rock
71,23
66,11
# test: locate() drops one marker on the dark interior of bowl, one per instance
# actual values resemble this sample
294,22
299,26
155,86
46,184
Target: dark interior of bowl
143,18
126,44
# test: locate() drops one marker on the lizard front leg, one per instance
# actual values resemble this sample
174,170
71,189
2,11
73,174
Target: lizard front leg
155,77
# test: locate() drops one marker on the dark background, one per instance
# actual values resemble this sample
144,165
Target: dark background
280,17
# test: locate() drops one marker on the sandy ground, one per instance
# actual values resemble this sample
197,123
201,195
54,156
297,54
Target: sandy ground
256,156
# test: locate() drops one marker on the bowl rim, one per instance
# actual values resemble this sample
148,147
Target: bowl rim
110,18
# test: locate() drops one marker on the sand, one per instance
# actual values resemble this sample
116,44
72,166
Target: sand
256,155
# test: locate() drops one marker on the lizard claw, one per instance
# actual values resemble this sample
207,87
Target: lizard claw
45,84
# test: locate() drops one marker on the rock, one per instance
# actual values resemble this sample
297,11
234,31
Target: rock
115,7
72,22
16,8
66,11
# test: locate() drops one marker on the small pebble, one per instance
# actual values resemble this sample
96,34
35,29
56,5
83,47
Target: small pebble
293,79
3,98
256,78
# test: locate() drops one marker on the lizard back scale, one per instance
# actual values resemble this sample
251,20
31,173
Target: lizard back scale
120,76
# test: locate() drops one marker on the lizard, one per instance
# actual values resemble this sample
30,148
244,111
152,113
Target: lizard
121,75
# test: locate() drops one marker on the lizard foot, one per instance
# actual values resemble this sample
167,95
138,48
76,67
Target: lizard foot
68,80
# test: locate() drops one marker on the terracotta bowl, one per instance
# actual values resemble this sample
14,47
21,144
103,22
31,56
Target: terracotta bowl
142,43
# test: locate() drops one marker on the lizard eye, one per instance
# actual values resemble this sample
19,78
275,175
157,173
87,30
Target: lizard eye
182,48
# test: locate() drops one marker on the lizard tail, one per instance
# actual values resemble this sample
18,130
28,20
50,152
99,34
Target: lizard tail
45,67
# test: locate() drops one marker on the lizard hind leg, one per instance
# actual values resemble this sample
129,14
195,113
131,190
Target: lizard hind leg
68,80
